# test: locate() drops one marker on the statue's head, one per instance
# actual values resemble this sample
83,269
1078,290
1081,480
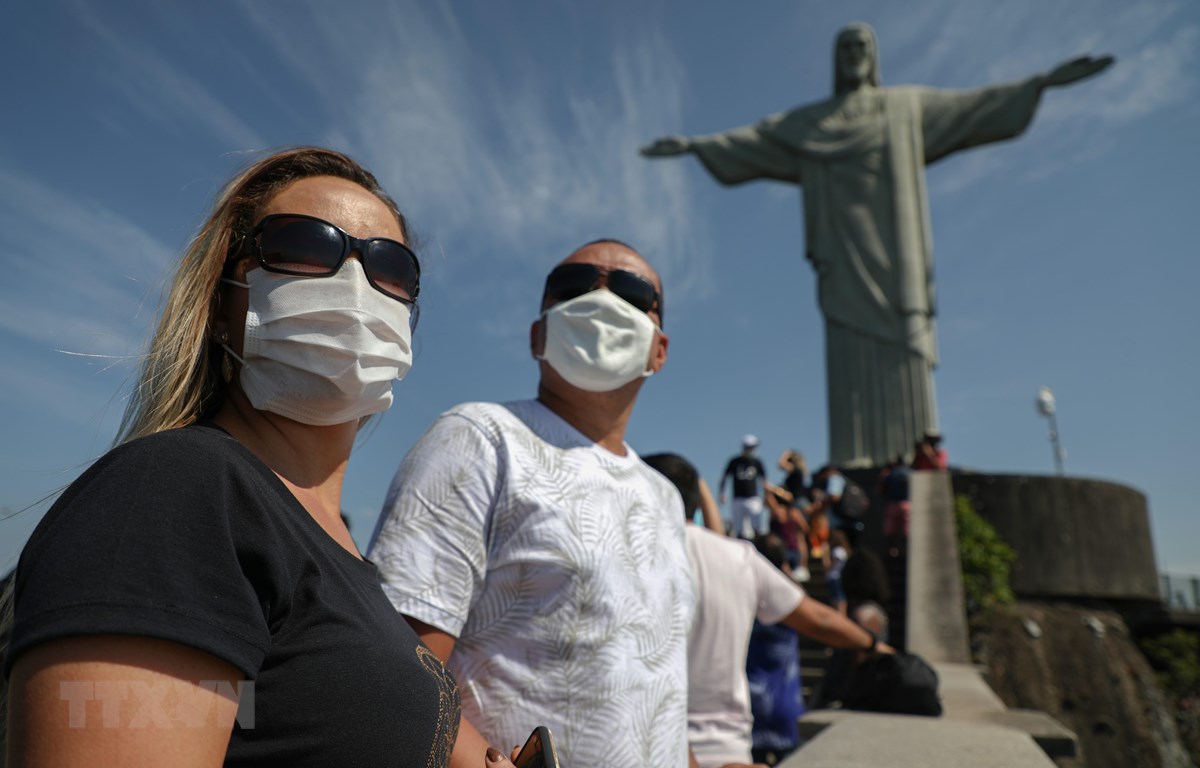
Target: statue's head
855,58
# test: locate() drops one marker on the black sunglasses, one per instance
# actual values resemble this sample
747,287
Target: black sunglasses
295,244
566,281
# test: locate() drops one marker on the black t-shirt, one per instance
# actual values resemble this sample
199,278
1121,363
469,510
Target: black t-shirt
797,485
746,472
186,536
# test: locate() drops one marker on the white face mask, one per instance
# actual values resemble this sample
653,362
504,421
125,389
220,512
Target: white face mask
322,350
598,342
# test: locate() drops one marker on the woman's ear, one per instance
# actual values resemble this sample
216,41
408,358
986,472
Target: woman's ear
228,319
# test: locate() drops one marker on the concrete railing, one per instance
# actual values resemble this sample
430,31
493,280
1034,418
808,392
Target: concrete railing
976,729
936,605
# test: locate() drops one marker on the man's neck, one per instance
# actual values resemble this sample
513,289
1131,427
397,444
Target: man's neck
601,416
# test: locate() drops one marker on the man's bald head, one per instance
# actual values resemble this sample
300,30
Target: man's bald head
609,254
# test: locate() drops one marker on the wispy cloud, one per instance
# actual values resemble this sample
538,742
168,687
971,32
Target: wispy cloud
90,288
1156,49
1153,76
83,395
541,161
961,173
158,90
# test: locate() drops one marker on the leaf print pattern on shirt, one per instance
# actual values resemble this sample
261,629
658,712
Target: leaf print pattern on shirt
562,570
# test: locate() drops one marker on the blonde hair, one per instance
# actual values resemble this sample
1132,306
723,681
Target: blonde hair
180,378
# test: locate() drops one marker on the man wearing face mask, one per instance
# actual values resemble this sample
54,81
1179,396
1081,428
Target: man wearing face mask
532,549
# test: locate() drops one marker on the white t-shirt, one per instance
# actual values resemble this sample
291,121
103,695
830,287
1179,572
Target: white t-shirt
838,557
835,485
561,569
734,585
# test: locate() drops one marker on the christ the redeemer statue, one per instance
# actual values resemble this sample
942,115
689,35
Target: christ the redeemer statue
861,158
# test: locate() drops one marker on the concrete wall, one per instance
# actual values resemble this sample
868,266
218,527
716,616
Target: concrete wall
1074,538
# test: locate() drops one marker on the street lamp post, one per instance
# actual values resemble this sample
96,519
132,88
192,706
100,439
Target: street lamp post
1046,407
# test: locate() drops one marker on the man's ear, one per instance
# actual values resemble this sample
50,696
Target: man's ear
658,353
537,339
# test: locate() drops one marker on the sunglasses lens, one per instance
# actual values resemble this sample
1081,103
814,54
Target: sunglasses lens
571,280
633,288
393,269
300,246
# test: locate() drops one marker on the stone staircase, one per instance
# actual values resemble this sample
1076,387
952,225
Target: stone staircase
813,655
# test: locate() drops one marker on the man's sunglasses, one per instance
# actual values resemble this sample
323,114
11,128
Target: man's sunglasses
567,281
295,244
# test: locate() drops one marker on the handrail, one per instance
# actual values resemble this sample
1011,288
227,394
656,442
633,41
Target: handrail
1180,592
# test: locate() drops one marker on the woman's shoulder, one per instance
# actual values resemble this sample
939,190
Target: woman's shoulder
186,459
177,471
150,540
195,442
182,490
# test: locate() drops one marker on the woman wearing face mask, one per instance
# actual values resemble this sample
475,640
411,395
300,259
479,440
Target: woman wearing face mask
195,598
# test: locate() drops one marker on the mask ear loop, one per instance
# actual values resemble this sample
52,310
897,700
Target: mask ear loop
222,340
226,366
649,371
229,351
542,334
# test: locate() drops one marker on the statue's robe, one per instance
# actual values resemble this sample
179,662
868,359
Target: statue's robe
860,158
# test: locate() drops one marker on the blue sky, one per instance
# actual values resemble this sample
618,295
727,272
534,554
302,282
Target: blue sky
509,132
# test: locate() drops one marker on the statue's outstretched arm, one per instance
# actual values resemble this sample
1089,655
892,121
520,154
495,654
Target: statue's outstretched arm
1076,69
667,146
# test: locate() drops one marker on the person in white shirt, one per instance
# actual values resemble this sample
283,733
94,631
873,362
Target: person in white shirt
734,585
532,549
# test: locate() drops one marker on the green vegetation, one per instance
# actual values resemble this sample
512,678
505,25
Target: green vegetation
986,560
1176,656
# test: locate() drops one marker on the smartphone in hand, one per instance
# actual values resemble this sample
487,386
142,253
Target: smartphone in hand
538,751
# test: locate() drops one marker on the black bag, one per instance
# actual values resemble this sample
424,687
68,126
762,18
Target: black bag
898,683
853,502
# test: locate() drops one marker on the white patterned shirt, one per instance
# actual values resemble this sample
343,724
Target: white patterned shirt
560,567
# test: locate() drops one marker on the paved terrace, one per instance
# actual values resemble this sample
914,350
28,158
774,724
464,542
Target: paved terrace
975,729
